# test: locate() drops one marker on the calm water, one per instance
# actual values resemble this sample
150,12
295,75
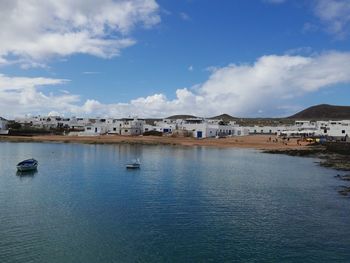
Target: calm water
184,205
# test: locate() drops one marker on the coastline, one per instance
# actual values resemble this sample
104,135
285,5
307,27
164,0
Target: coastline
258,142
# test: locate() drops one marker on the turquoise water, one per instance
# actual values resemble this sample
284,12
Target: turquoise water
184,205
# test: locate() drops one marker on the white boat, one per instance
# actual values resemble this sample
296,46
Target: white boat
27,165
134,165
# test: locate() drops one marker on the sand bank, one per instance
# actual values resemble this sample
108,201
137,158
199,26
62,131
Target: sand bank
261,142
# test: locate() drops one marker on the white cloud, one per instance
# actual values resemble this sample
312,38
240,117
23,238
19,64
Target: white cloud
190,68
271,85
39,29
22,95
91,72
335,14
184,16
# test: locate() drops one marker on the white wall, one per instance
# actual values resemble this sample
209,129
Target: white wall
266,129
3,124
333,128
93,130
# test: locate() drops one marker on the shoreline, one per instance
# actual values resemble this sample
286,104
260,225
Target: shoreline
258,142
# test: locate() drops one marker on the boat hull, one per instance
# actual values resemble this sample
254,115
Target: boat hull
27,165
132,166
27,168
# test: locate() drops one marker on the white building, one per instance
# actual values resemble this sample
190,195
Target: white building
333,128
338,129
266,129
93,129
305,125
166,126
3,126
126,126
78,123
132,126
202,128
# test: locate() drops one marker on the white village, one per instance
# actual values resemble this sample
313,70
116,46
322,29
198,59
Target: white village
181,127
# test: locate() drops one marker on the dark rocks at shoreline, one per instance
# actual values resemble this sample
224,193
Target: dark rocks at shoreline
345,177
336,161
344,190
328,158
299,152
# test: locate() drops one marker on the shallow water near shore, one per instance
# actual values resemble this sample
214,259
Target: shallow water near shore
185,204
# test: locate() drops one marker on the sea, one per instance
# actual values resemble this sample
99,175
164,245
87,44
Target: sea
185,204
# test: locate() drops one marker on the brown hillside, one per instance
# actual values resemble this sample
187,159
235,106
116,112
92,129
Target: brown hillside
323,112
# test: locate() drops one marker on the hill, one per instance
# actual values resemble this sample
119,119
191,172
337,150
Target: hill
175,117
323,112
224,117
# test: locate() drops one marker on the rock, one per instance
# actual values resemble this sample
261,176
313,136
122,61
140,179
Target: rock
345,190
343,177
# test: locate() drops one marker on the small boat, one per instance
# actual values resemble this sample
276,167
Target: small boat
134,165
27,165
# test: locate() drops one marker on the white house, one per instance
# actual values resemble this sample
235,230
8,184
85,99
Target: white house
94,129
202,128
3,126
305,125
266,129
166,126
333,128
127,126
337,129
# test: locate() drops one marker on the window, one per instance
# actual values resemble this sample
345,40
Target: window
343,131
114,129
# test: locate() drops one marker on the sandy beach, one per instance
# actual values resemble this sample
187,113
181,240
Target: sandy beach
260,142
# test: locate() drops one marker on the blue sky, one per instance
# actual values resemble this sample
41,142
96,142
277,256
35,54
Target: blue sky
204,57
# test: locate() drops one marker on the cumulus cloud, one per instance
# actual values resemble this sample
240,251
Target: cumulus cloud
35,30
267,86
335,14
22,95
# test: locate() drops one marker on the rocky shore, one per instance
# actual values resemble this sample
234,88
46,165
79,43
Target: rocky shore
331,155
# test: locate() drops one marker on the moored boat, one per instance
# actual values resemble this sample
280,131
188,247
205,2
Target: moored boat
134,165
27,165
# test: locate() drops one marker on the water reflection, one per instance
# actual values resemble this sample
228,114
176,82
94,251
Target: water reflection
26,173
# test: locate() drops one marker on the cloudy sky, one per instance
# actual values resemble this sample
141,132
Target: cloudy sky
154,58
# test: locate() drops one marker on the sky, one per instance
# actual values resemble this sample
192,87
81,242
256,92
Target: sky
156,58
